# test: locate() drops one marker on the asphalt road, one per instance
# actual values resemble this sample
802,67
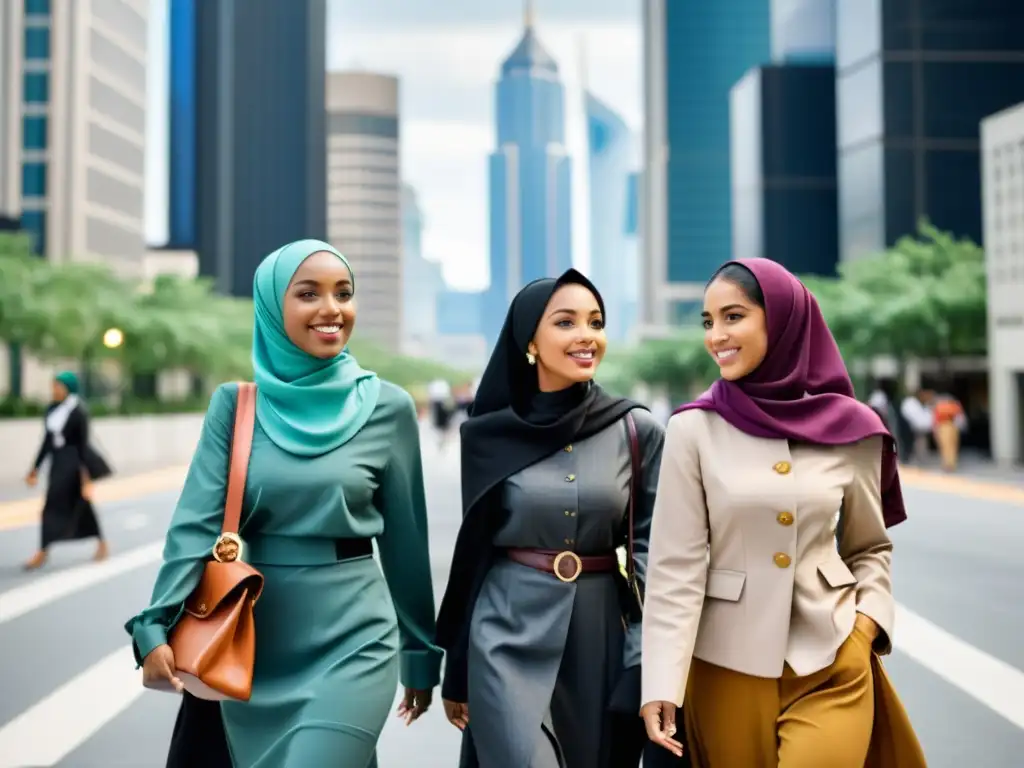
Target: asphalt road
70,696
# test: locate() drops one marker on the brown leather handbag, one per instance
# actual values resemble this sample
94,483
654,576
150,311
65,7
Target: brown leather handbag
214,641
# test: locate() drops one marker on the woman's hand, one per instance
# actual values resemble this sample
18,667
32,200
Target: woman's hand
457,713
867,625
31,479
158,668
660,719
414,704
87,490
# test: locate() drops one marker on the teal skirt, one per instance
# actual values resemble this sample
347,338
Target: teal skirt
326,668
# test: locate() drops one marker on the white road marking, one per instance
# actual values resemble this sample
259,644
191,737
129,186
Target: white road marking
994,683
46,589
47,732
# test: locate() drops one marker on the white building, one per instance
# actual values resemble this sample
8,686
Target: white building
81,96
364,211
1002,148
11,37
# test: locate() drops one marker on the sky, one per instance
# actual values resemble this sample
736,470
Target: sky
447,56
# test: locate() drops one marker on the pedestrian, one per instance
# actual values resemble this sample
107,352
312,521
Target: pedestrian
439,392
539,624
68,512
950,422
755,618
335,463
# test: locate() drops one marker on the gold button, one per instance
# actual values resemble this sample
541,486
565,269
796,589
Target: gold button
782,559
568,541
568,449
785,518
783,467
570,478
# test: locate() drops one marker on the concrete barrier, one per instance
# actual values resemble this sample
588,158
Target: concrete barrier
131,444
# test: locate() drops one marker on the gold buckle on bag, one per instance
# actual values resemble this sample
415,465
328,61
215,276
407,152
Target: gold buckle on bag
228,548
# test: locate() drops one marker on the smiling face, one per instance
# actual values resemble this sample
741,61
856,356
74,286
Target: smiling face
735,329
319,308
569,341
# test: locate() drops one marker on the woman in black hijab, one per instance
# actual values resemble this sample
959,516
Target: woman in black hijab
541,631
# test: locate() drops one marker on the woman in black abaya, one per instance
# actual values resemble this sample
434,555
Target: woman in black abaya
68,513
543,653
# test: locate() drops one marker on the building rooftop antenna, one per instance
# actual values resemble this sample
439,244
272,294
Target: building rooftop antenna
529,14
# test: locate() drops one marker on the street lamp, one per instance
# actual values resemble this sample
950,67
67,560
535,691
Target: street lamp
113,338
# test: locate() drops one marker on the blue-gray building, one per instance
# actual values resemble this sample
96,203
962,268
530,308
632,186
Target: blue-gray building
530,178
784,200
35,103
247,139
803,31
460,313
422,282
613,259
694,54
913,81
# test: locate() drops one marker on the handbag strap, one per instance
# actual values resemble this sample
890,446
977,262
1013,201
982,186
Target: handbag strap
634,479
241,447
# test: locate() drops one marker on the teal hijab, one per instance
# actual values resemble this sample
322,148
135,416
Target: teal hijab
307,406
69,380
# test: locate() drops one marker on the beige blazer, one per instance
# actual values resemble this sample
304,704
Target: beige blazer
744,571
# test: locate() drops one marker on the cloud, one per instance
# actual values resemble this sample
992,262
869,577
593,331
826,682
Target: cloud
447,77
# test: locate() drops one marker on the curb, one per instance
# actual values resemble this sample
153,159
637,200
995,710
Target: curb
961,485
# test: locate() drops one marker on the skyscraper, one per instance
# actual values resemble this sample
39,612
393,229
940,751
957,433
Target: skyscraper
422,282
82,101
613,263
11,66
909,96
803,31
247,142
694,54
530,177
364,198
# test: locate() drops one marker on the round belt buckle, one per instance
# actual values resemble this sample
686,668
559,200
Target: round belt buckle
557,566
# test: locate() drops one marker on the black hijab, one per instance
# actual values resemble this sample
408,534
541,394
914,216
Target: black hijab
512,425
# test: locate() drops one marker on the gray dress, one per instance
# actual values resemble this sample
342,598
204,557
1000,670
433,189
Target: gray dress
544,655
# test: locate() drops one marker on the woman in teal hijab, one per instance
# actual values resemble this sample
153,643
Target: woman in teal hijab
335,464
68,514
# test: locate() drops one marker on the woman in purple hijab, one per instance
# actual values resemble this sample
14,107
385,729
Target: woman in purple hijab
764,620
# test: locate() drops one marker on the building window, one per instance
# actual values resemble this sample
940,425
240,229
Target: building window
33,180
37,6
33,128
34,223
362,125
37,43
37,87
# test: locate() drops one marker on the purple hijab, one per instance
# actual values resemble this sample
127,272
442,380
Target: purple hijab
801,391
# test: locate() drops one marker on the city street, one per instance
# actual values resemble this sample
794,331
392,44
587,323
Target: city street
70,696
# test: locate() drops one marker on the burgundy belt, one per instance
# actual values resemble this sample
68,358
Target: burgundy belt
564,565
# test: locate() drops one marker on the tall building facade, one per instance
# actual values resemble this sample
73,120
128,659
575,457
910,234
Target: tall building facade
803,31
82,105
11,66
613,264
530,178
422,283
693,54
247,142
910,93
364,195
1002,142
784,200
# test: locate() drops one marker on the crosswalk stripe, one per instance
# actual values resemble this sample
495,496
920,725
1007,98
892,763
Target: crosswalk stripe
46,589
47,732
994,683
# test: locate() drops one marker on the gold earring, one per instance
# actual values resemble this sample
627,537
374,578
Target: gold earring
531,359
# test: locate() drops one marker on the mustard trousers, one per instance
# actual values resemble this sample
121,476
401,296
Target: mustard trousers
823,720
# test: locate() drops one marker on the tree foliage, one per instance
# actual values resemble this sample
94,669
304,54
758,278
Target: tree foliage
925,297
61,311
